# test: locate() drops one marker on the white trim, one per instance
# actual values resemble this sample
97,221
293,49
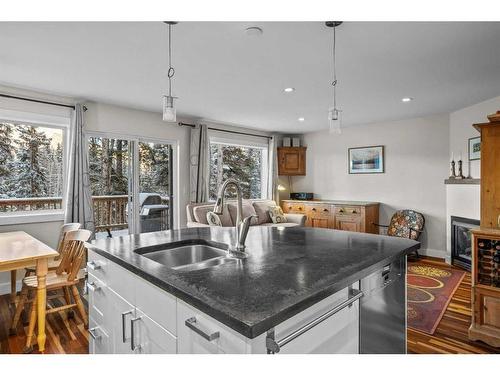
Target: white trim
34,118
26,217
5,287
434,253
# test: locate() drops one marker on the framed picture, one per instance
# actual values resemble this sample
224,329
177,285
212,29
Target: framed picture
366,160
475,148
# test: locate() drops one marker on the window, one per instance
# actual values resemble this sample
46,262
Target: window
245,162
32,163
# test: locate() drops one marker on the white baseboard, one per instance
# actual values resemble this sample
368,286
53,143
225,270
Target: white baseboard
5,287
435,254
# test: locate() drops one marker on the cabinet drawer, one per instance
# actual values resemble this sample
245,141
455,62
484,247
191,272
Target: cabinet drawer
154,339
191,342
98,295
337,334
294,208
98,266
348,210
319,210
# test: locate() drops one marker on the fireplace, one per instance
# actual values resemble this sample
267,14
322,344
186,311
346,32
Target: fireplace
461,246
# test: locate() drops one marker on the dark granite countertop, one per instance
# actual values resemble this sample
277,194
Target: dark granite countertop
334,202
287,271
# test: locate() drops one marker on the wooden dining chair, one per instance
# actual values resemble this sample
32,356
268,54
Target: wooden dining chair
64,278
53,263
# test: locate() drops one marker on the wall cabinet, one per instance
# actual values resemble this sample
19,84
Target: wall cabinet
292,161
323,214
123,322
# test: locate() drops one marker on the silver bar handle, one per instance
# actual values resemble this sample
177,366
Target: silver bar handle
93,286
193,324
93,265
274,346
132,333
92,332
124,324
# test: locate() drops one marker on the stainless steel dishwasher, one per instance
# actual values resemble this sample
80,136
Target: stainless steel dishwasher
382,322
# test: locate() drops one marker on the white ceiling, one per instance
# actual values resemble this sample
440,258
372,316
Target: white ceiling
224,75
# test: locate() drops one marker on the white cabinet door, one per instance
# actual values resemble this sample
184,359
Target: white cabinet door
121,314
151,338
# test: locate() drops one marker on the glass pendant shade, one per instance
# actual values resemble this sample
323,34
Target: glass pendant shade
169,112
334,121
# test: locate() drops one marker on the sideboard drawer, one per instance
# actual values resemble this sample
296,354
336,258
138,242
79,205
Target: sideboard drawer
319,210
348,210
294,208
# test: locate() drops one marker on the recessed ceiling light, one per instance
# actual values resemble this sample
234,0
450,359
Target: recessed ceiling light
289,89
301,119
406,100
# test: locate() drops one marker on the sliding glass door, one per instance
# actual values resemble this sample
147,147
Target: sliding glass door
155,187
132,185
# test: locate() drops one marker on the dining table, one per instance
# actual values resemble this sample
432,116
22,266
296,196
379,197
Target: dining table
19,250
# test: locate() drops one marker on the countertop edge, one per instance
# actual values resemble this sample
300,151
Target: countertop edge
334,202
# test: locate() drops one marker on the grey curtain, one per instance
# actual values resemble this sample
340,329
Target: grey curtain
199,159
79,198
272,181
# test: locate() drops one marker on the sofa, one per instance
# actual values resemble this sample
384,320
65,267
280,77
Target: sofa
197,214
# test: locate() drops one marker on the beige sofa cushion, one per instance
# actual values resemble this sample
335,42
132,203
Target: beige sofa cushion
247,209
200,215
262,210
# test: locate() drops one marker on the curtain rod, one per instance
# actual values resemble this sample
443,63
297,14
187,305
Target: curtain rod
39,101
228,131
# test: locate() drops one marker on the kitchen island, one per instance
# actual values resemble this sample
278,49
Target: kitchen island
291,278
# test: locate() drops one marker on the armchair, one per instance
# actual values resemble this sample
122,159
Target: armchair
406,224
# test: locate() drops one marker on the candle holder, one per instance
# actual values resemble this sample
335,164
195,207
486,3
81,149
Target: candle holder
460,172
452,170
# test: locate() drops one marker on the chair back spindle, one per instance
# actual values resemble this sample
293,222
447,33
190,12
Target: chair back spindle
73,253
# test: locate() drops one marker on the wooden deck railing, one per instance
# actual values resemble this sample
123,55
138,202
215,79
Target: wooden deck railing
110,211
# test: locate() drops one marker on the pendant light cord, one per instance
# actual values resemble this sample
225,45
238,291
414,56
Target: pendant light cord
171,70
334,82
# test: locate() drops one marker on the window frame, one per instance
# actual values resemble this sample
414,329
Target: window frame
41,121
242,141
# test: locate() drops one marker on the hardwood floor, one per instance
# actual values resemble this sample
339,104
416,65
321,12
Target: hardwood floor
69,335
63,335
451,333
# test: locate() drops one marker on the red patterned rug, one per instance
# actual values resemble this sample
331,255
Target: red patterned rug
429,291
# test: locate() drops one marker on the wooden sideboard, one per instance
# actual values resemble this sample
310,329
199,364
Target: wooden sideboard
342,215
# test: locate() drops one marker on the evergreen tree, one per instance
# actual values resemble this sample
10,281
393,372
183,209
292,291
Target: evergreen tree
29,178
6,157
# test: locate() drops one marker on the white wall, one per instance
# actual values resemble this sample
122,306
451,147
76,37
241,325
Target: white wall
416,163
461,130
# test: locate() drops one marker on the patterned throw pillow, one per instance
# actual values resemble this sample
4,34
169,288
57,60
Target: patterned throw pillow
277,215
213,219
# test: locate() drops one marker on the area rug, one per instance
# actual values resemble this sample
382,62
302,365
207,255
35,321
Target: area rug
429,291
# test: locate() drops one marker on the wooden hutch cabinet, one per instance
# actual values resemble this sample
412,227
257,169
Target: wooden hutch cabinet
486,240
292,161
486,286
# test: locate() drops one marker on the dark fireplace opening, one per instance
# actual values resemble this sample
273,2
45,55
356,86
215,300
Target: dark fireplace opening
461,245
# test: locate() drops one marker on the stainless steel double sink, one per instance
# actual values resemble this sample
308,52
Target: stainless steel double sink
188,255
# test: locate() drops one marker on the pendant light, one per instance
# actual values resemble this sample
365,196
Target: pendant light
334,114
169,112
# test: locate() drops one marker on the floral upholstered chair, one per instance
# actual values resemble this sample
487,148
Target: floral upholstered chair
406,224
